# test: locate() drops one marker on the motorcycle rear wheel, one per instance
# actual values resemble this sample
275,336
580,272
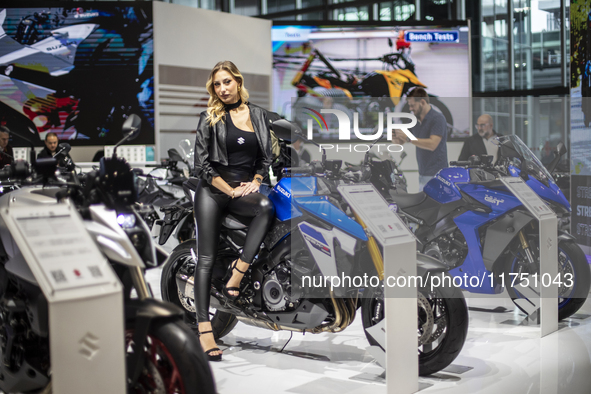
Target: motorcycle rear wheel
221,322
571,260
174,361
448,308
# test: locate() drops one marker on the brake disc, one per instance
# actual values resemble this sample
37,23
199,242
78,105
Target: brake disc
440,322
186,302
427,327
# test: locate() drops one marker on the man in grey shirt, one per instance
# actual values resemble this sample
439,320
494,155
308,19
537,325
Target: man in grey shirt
431,133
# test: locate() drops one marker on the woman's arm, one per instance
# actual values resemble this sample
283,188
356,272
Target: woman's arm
203,168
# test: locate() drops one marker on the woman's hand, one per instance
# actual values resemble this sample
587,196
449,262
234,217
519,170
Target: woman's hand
249,187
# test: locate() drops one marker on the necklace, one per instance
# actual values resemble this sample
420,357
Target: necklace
229,107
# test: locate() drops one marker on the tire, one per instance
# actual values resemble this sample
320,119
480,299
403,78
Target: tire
448,307
221,322
172,350
571,259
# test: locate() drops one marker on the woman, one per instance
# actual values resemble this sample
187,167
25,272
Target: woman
232,155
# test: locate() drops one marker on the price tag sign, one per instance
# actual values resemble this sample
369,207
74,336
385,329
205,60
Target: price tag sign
64,251
527,196
374,211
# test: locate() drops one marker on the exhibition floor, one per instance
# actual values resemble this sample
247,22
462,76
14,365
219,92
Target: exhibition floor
504,357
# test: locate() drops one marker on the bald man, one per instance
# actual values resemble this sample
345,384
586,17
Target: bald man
481,142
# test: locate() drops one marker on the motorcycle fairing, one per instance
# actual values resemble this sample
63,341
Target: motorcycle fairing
281,197
551,192
473,265
320,207
499,201
320,243
396,79
54,55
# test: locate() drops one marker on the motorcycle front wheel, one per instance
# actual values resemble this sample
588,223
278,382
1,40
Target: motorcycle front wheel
442,325
573,271
182,257
174,362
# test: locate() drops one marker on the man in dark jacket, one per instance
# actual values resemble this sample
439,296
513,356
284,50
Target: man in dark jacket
6,152
52,148
481,142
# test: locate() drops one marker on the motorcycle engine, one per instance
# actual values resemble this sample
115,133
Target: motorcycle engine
278,292
450,249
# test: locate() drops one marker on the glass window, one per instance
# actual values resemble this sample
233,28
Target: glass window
190,3
352,14
546,52
246,7
313,16
311,3
396,10
279,6
207,4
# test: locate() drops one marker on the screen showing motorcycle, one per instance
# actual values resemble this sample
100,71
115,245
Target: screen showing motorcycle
77,71
369,69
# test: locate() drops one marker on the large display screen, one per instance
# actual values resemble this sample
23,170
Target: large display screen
77,71
371,68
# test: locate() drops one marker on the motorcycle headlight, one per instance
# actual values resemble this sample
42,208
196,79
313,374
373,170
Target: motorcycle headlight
126,220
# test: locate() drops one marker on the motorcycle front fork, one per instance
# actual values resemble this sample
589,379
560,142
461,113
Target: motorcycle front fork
139,283
526,248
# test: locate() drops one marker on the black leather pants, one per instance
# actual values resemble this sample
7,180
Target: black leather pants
210,205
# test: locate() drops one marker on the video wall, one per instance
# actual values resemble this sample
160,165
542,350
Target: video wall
77,71
369,69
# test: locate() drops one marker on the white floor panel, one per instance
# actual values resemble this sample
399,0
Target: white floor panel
502,354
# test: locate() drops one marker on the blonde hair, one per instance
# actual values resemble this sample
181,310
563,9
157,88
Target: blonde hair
215,106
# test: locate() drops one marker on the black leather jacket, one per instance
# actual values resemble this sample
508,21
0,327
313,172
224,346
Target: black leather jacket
210,144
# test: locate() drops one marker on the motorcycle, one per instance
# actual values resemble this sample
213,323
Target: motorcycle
376,91
467,219
272,295
163,354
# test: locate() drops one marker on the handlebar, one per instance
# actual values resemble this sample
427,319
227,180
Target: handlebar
459,163
299,170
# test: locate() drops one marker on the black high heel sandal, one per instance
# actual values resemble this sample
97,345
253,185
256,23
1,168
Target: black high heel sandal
226,290
217,357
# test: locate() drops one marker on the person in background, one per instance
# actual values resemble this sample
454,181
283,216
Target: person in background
52,148
303,155
6,152
431,133
481,142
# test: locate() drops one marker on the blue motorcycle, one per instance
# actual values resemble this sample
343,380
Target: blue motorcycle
467,219
316,235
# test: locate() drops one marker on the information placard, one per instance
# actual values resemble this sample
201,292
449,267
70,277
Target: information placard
67,256
374,211
540,297
397,333
527,196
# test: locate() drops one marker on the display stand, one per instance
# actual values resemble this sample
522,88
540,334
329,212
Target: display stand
85,298
397,332
542,300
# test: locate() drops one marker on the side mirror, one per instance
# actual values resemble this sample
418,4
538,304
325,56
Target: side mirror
174,155
63,148
286,130
560,149
131,127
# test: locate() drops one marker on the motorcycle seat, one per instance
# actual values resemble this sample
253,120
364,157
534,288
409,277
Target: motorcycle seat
405,200
235,222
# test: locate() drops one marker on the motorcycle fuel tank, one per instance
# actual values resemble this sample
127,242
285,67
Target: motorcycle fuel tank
282,193
443,189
